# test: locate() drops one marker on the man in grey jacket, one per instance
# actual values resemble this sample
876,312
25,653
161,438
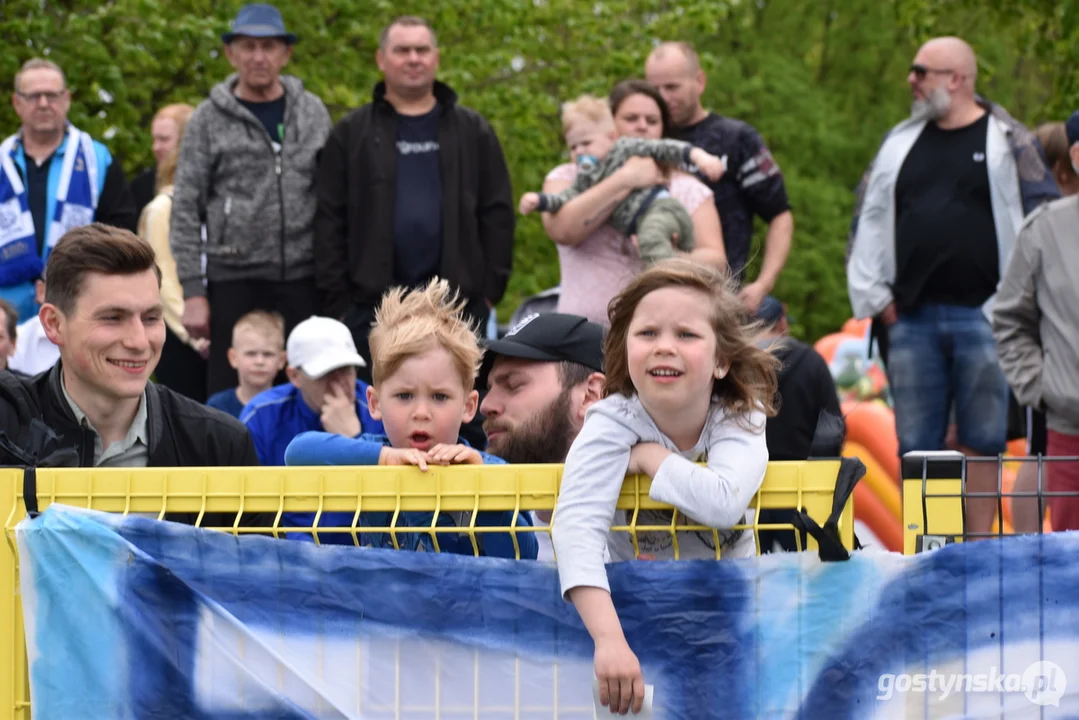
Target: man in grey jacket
1036,323
247,172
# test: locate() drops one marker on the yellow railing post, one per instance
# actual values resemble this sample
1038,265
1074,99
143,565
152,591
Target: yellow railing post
9,625
932,500
14,685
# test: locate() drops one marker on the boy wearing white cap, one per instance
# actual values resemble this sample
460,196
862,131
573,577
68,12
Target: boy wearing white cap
323,392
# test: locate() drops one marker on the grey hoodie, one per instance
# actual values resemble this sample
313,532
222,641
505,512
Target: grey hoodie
258,205
717,495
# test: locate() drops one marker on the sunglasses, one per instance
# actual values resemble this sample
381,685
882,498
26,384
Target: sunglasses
920,71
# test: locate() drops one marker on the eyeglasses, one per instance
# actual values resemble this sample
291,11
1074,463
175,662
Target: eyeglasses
920,71
35,98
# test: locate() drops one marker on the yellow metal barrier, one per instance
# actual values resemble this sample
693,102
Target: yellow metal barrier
932,500
237,493
935,493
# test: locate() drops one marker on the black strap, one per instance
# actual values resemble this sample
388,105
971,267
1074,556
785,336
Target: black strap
29,491
652,195
39,451
829,545
12,454
878,331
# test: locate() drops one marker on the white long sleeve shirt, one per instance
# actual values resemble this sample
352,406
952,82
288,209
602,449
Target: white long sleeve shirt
717,495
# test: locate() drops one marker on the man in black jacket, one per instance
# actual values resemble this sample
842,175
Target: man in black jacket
410,186
103,310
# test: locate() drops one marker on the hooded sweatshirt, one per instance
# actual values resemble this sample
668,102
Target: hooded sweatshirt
257,201
806,392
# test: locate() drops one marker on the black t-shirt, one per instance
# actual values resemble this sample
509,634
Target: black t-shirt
945,237
417,217
271,114
37,192
752,185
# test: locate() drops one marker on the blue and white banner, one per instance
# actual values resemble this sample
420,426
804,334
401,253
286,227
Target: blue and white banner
134,618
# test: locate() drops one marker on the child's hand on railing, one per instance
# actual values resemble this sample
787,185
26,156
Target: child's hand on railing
454,455
403,456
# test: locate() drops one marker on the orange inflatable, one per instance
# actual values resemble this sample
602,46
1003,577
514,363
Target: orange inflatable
878,480
872,425
826,345
870,510
857,328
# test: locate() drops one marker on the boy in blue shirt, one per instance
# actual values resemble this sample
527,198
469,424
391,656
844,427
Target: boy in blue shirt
323,392
424,360
257,355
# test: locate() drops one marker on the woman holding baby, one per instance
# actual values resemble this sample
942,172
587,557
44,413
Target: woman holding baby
596,260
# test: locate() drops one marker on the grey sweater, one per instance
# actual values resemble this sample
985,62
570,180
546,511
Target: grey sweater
717,495
670,153
1036,315
258,204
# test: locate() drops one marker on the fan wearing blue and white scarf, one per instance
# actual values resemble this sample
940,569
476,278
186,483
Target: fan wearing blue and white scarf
75,205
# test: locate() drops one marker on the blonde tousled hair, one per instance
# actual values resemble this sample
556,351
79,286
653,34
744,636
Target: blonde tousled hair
412,322
589,108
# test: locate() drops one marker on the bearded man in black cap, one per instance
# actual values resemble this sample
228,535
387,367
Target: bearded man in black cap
540,379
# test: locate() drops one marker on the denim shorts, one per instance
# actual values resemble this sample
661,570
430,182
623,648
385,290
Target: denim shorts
940,355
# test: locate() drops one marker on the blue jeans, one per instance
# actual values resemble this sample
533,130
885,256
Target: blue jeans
941,355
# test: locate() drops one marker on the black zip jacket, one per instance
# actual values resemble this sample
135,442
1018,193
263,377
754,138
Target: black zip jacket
357,184
181,432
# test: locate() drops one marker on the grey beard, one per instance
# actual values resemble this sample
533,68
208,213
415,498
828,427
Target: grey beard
932,107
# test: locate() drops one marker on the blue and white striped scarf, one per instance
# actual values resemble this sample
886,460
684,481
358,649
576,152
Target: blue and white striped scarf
76,203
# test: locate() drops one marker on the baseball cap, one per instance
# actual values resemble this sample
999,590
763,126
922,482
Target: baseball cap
320,345
770,311
1071,127
549,337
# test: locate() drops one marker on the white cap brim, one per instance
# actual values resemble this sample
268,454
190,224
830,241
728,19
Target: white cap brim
331,360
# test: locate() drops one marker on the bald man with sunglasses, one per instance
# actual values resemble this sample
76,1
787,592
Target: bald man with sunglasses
937,217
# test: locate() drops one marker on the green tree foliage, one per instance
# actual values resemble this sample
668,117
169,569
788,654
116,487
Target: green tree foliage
822,81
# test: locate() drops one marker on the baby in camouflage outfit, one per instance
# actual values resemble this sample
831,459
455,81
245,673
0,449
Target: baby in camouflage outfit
649,213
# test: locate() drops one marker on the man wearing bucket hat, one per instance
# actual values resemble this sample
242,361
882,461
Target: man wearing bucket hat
246,172
322,393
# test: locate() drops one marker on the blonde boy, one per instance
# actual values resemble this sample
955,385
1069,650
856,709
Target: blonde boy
424,361
257,355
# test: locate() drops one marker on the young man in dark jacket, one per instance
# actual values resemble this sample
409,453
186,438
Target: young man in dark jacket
103,310
410,186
